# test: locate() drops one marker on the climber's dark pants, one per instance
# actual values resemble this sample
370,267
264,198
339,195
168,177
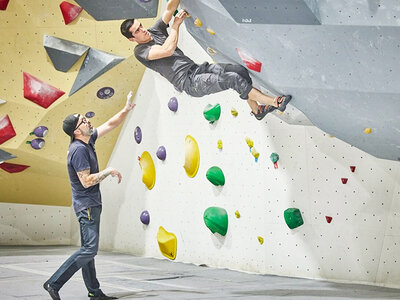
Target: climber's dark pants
208,79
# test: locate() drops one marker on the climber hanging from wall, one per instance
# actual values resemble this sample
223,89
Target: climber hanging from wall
158,51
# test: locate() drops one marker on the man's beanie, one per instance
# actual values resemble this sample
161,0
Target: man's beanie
69,124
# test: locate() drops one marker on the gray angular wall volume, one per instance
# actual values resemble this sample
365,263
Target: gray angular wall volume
343,78
119,9
95,64
63,54
4,155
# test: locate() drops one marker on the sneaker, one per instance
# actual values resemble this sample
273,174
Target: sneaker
100,296
52,292
282,101
262,111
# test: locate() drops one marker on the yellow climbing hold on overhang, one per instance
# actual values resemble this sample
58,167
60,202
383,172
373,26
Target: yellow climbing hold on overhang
210,31
167,243
192,156
367,130
148,170
198,22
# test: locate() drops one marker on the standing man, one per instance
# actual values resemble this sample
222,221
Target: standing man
158,51
85,177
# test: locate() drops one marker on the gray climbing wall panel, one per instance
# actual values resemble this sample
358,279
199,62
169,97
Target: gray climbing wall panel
343,78
270,12
120,9
63,54
95,64
4,156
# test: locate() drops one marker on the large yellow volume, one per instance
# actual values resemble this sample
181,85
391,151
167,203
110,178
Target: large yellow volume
148,170
167,243
192,156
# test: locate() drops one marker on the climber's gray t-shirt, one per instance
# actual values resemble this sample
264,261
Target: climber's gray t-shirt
174,68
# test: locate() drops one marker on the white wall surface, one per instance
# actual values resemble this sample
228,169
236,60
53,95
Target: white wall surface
24,224
362,244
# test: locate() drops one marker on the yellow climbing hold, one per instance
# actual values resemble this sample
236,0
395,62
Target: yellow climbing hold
237,214
367,130
255,153
198,22
210,31
249,142
192,156
234,112
211,51
167,243
148,170
219,144
260,239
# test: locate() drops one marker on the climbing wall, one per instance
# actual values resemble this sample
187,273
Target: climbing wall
43,47
360,243
339,60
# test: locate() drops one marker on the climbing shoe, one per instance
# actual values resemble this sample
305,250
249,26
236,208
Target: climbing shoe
282,101
262,111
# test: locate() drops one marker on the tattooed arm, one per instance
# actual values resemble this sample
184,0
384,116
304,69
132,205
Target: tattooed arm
89,180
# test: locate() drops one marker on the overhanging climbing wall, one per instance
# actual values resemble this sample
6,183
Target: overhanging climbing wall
339,60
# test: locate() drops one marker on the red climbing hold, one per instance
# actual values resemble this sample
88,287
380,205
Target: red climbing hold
328,219
250,62
12,168
6,129
352,168
3,4
40,92
344,180
69,11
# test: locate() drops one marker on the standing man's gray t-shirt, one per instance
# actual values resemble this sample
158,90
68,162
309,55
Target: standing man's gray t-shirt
174,68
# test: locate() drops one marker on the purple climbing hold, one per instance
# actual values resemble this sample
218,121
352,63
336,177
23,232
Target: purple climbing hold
90,114
40,131
145,217
145,1
37,144
161,153
105,92
138,134
173,104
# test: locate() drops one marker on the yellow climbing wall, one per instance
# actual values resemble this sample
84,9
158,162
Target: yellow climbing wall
23,25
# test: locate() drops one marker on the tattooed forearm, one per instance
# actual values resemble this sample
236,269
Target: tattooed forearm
89,180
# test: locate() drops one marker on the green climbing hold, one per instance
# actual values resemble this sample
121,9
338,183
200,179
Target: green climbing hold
293,218
212,113
216,219
216,176
274,157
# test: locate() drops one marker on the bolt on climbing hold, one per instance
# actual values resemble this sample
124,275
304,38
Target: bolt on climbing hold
344,180
237,214
198,22
219,144
260,240
210,31
274,158
367,130
234,112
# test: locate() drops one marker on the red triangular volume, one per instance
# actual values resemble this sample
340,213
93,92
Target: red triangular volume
13,168
352,168
328,219
3,4
69,11
40,92
344,180
250,62
6,129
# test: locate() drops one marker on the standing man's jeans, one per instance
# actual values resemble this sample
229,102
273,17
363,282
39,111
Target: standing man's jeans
89,221
208,79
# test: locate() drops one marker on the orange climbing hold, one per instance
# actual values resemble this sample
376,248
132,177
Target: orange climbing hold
250,62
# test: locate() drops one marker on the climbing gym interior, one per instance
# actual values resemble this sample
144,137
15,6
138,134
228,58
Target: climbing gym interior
312,192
